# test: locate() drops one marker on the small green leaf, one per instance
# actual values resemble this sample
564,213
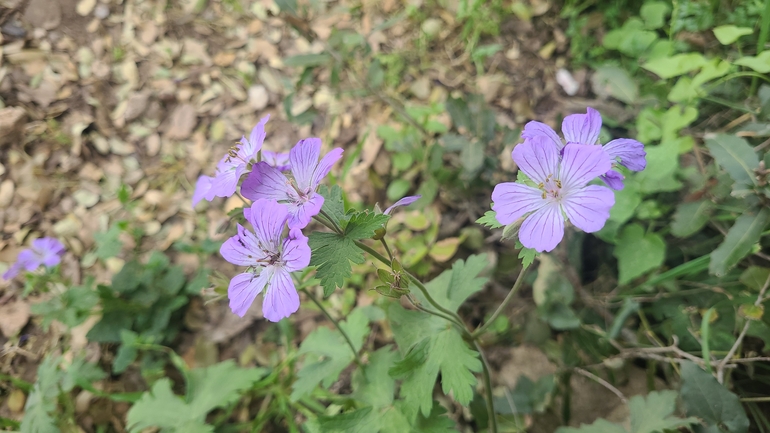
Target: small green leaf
611,80
599,426
729,33
689,218
108,243
755,277
307,60
333,205
654,14
751,311
705,398
759,63
363,224
669,67
489,219
739,240
638,252
653,414
332,254
736,156
414,358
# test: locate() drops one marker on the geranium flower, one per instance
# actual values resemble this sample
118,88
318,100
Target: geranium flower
584,129
406,201
270,257
299,194
44,251
279,160
561,190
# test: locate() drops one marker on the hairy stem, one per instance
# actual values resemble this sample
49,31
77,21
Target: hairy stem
506,301
387,249
487,389
320,306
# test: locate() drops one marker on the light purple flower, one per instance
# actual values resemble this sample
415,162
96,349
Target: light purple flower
231,167
279,160
44,251
406,201
584,129
299,194
561,190
270,258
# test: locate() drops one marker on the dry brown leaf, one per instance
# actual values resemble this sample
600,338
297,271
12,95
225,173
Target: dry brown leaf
13,316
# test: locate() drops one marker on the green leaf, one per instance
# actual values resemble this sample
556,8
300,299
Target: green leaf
669,67
81,373
626,202
754,277
662,164
739,240
307,60
348,421
611,80
333,205
108,243
414,358
332,254
705,398
729,33
41,402
654,14
638,252
489,219
71,307
736,156
759,63
653,413
599,426
327,353
689,218
363,224
208,388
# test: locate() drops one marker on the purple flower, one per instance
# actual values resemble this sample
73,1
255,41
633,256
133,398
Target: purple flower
561,190
299,195
231,167
584,129
270,258
406,201
44,251
279,160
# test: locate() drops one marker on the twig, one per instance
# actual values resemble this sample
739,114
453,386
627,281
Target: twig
601,382
739,340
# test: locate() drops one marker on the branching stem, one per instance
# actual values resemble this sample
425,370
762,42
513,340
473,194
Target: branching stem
320,306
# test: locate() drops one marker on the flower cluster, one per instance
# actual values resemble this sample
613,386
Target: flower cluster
44,251
561,173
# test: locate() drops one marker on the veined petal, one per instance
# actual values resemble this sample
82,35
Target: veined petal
630,153
281,299
582,163
304,159
256,138
202,187
544,229
225,182
324,166
301,212
296,252
279,160
589,208
582,128
406,201
244,288
613,179
242,249
514,200
534,129
268,217
265,181
537,158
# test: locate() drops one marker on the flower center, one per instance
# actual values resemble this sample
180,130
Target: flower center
551,187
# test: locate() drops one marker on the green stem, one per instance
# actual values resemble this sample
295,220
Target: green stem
764,31
487,389
334,226
336,324
387,249
508,298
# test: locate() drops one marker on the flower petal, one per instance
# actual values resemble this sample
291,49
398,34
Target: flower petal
589,208
582,128
268,217
296,252
29,260
325,166
279,160
256,138
12,271
582,163
537,158
242,249
265,181
630,153
613,179
244,288
304,159
514,200
406,201
281,299
47,245
544,229
226,180
301,212
202,187
534,129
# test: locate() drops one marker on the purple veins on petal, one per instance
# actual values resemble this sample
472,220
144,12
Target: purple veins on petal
589,208
613,179
243,290
514,200
539,129
406,201
248,149
202,188
582,128
281,299
279,160
536,158
544,229
630,153
266,181
582,163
